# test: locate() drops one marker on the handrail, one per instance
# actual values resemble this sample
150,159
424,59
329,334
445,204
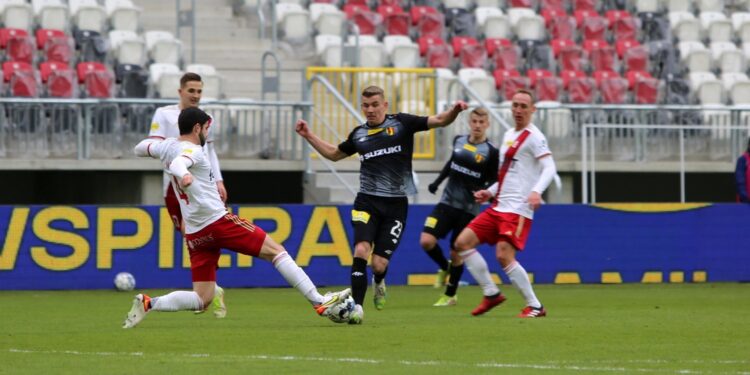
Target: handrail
336,95
249,102
475,96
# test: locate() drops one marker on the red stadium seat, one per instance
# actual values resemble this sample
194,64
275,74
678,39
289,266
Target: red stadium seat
580,15
559,44
61,84
43,34
20,48
581,90
567,75
426,41
438,56
622,45
521,3
550,14
646,91
386,10
625,28
615,14
9,67
351,8
48,67
511,85
571,58
397,24
589,5
59,48
593,28
636,58
548,88
500,76
562,27
367,21
613,90
556,5
5,34
603,58
99,84
473,56
634,76
23,84
417,12
535,74
601,75
458,42
86,68
431,24
590,45
505,57
491,44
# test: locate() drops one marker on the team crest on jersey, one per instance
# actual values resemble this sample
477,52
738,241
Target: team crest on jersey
188,150
390,131
478,158
154,125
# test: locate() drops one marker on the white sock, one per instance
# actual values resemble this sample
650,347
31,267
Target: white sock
477,266
177,301
520,279
297,278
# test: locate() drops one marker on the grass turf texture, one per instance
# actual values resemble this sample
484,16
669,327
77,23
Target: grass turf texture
632,328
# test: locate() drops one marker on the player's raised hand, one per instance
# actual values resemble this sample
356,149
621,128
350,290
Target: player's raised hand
460,106
482,196
186,180
301,128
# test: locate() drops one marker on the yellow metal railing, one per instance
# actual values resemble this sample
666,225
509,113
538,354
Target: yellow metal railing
406,90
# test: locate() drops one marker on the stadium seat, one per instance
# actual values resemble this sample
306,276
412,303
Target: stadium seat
127,47
636,58
512,84
92,46
327,19
515,15
562,28
51,14
156,70
89,67
531,28
678,5
459,42
163,47
710,5
479,81
604,58
593,28
167,83
548,88
328,49
88,15
634,76
371,52
438,56
402,52
522,3
623,45
431,24
482,13
571,58
741,25
61,83
491,44
592,44
352,7
23,83
46,68
43,34
60,49
397,24
456,4
685,26
472,56
558,44
739,93
123,15
368,22
500,75
589,5
9,67
496,27
536,74
647,6
98,84
625,28
417,12
613,90
20,48
717,26
295,26
549,14
5,34
425,42
567,75
727,58
556,5
706,87
601,75
729,79
695,56
505,57
646,91
612,15
18,15
387,9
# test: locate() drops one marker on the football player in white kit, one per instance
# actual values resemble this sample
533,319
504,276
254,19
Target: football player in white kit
209,227
163,126
526,170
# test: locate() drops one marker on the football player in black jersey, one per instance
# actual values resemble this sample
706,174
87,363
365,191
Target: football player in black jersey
385,144
472,167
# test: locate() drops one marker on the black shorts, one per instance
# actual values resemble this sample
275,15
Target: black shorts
379,221
444,219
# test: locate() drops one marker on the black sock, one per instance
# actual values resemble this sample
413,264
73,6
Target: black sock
359,280
379,277
437,255
453,279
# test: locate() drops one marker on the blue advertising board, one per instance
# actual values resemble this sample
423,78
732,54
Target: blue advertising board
83,247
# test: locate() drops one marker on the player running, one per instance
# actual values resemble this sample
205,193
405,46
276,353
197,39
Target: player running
209,227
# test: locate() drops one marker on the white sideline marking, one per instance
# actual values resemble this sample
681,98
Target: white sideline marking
552,366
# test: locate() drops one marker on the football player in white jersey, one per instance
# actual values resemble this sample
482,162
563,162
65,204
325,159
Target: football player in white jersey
209,227
163,126
526,170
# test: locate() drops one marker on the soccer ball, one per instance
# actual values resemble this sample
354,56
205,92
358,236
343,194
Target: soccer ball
340,313
124,281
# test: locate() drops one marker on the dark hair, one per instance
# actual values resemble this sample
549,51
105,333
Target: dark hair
187,77
371,91
527,92
189,117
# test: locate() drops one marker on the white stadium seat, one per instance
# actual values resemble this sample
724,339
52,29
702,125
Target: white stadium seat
88,15
18,16
123,15
163,47
51,14
327,18
402,52
127,47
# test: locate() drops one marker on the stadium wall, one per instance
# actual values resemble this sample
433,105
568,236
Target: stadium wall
83,247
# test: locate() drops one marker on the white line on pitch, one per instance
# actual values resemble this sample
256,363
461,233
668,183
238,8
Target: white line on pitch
552,366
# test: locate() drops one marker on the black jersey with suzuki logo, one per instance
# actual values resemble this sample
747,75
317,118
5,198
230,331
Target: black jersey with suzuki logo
385,151
471,167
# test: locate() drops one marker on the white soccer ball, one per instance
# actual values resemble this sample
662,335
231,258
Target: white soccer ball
341,312
124,281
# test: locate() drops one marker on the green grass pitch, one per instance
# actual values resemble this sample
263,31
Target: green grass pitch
630,328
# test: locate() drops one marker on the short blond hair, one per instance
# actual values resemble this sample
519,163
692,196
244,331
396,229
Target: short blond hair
371,91
527,92
480,111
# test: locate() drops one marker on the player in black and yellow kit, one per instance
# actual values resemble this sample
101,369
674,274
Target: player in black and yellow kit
472,167
385,144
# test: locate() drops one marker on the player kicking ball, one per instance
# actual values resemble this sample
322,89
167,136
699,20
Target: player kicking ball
209,227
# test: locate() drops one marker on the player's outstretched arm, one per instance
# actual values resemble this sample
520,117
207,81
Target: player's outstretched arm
148,148
446,118
328,150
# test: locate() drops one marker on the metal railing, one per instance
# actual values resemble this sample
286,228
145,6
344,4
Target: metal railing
718,140
108,129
